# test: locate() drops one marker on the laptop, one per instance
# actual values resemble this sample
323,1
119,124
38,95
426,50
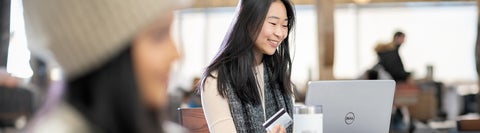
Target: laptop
360,106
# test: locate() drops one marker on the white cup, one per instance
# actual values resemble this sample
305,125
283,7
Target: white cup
308,119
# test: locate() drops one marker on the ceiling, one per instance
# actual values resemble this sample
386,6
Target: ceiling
231,3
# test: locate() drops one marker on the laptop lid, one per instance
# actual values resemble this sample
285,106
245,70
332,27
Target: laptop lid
353,105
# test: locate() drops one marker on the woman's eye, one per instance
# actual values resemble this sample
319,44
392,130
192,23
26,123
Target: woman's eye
273,24
285,26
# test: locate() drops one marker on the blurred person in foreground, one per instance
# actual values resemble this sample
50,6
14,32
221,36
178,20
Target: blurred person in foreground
116,56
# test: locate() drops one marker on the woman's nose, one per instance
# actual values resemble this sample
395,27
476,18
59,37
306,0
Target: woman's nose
279,33
173,47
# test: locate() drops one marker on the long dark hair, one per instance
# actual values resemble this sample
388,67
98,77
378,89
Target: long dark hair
110,100
234,61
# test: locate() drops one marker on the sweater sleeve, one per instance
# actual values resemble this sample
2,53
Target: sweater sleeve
216,108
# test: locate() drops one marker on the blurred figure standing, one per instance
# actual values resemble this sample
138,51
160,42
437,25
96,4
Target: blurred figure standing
116,56
390,59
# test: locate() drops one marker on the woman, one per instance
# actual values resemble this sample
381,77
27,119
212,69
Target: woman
116,56
249,79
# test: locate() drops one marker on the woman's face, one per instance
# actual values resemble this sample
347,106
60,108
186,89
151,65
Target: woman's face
274,29
153,54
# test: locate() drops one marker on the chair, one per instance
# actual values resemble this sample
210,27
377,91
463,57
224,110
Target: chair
468,125
193,119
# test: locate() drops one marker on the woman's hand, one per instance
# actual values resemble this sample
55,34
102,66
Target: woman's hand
278,129
8,81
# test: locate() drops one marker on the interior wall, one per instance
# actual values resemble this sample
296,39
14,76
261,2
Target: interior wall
441,35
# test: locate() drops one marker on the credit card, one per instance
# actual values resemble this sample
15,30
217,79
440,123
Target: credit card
279,118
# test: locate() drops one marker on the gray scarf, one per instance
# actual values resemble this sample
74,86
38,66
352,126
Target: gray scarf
248,118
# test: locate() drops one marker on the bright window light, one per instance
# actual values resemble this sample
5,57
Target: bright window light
18,56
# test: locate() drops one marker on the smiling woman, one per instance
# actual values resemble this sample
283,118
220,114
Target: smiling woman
249,79
274,31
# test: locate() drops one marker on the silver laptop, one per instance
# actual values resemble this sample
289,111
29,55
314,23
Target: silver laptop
353,106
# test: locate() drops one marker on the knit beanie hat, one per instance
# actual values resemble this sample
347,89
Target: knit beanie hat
84,34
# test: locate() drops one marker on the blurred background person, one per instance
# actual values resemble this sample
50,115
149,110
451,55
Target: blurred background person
390,59
183,98
192,99
116,57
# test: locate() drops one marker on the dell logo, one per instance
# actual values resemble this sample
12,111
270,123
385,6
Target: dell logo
349,118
